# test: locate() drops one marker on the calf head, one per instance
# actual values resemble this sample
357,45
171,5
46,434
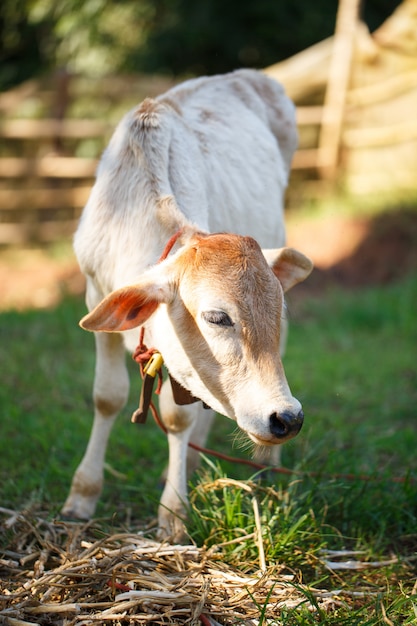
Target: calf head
213,309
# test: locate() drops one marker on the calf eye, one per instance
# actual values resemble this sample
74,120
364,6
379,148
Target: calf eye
217,317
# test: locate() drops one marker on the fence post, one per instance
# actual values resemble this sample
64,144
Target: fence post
61,82
337,86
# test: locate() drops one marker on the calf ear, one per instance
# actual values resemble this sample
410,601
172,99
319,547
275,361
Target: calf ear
125,308
289,266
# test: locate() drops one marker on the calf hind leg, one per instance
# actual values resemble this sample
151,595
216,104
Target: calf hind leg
200,432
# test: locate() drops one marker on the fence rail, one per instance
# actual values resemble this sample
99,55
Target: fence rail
43,183
52,128
47,165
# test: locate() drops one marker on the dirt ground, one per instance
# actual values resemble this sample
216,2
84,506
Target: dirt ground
352,251
37,279
357,252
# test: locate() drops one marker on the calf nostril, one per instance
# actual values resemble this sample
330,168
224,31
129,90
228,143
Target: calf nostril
278,425
285,425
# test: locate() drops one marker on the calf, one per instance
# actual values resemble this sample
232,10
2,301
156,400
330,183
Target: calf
212,154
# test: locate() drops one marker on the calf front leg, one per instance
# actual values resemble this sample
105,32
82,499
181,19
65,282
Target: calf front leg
179,422
111,387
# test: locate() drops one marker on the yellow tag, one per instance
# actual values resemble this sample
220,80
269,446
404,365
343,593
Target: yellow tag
154,364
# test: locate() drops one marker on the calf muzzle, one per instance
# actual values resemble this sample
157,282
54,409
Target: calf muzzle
285,425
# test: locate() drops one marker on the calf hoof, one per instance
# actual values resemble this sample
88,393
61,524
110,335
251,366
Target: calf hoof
78,507
82,499
171,528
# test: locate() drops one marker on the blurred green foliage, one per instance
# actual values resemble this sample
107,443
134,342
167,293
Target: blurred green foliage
97,37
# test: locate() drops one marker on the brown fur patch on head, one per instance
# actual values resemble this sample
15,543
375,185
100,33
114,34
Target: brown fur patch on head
234,268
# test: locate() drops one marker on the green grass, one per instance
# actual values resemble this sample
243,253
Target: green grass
351,360
48,365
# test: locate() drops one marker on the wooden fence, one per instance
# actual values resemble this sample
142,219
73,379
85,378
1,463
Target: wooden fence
42,192
48,159
367,83
359,122
44,183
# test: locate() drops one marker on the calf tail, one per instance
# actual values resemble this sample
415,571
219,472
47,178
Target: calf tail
150,137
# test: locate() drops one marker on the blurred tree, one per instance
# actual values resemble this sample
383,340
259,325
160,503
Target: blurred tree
85,36
20,55
174,36
213,35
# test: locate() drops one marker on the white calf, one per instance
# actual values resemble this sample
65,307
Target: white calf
210,155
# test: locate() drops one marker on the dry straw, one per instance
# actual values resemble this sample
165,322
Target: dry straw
68,574
76,574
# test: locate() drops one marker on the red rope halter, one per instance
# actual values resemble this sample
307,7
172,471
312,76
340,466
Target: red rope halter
142,354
